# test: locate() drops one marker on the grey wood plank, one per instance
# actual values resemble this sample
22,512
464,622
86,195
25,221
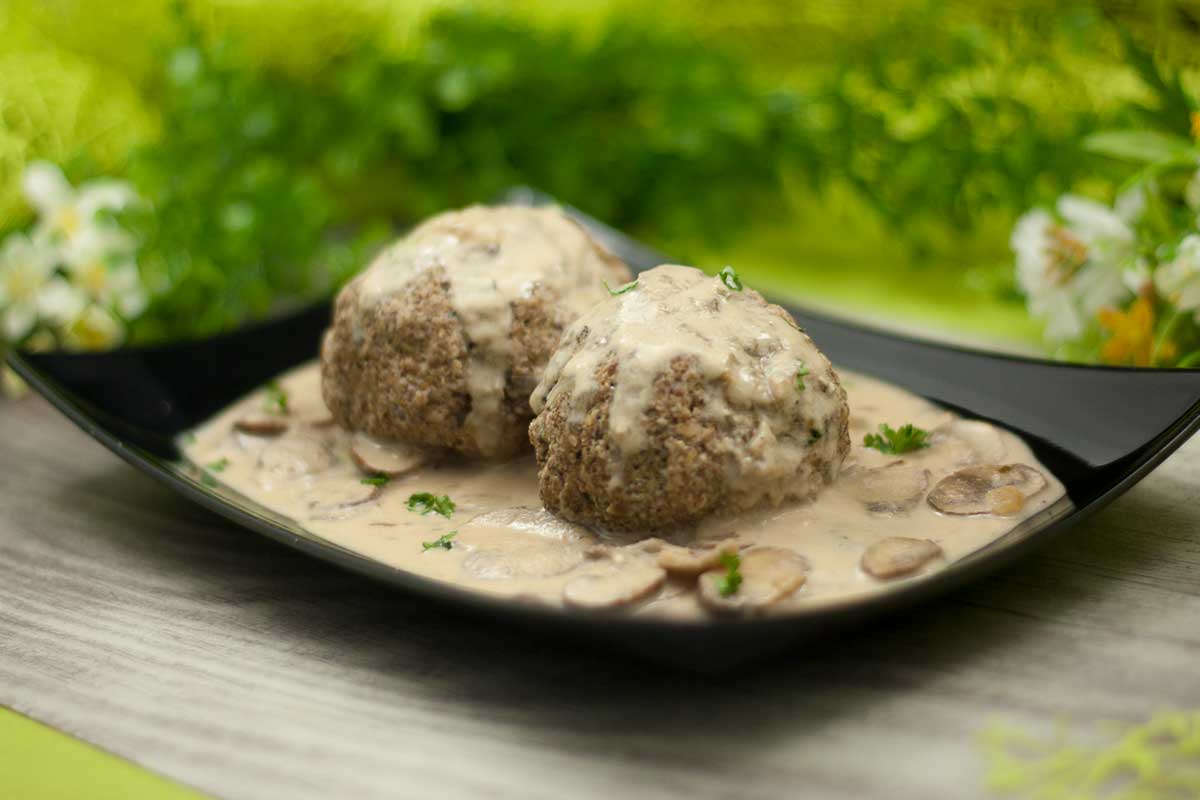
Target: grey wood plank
145,625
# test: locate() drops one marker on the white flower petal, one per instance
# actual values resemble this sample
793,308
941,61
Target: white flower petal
1094,223
46,188
95,243
60,302
110,195
1178,280
1137,277
1131,204
19,319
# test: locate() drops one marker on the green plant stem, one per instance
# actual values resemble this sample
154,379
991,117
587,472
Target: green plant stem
1165,334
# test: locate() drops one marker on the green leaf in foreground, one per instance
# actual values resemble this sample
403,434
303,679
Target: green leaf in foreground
629,287
277,399
442,541
895,441
426,503
729,582
729,277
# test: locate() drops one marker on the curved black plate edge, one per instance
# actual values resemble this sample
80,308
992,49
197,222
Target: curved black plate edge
716,633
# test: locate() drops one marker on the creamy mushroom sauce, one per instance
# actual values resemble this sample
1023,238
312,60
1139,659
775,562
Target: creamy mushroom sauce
507,545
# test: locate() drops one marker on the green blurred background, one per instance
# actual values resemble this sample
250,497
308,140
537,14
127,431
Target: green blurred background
869,157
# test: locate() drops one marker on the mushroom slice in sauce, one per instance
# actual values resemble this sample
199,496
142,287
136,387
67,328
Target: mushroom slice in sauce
294,457
341,498
685,561
898,555
987,489
769,575
522,556
258,423
974,442
893,489
391,458
533,520
623,582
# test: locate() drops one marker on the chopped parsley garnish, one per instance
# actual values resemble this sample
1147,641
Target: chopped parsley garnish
898,440
629,287
377,480
207,479
427,503
442,541
732,579
814,434
730,278
277,399
218,466
800,373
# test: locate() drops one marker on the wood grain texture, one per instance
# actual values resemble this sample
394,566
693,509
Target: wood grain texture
150,627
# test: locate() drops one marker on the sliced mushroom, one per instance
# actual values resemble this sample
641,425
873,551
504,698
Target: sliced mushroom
341,498
523,557
685,561
898,555
973,442
622,582
379,458
294,457
769,575
533,520
893,489
972,490
258,423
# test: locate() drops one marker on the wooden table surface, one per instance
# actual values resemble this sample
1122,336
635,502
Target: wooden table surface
150,627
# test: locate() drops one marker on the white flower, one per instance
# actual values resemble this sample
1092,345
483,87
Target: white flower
65,212
101,265
25,266
1178,280
1137,277
94,329
1070,271
1131,203
59,302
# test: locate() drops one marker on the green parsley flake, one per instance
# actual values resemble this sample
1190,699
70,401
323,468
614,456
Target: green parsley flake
377,480
629,287
896,441
427,503
208,480
800,373
728,583
277,399
218,466
814,434
730,278
442,541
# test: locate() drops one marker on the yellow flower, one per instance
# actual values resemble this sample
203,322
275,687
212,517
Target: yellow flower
1132,335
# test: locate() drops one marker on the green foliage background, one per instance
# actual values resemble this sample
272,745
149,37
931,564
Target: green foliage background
870,156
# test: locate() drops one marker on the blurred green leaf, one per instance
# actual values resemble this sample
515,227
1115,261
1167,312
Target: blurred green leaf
1142,146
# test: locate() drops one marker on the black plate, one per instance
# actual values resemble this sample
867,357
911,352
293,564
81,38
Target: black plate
1100,430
